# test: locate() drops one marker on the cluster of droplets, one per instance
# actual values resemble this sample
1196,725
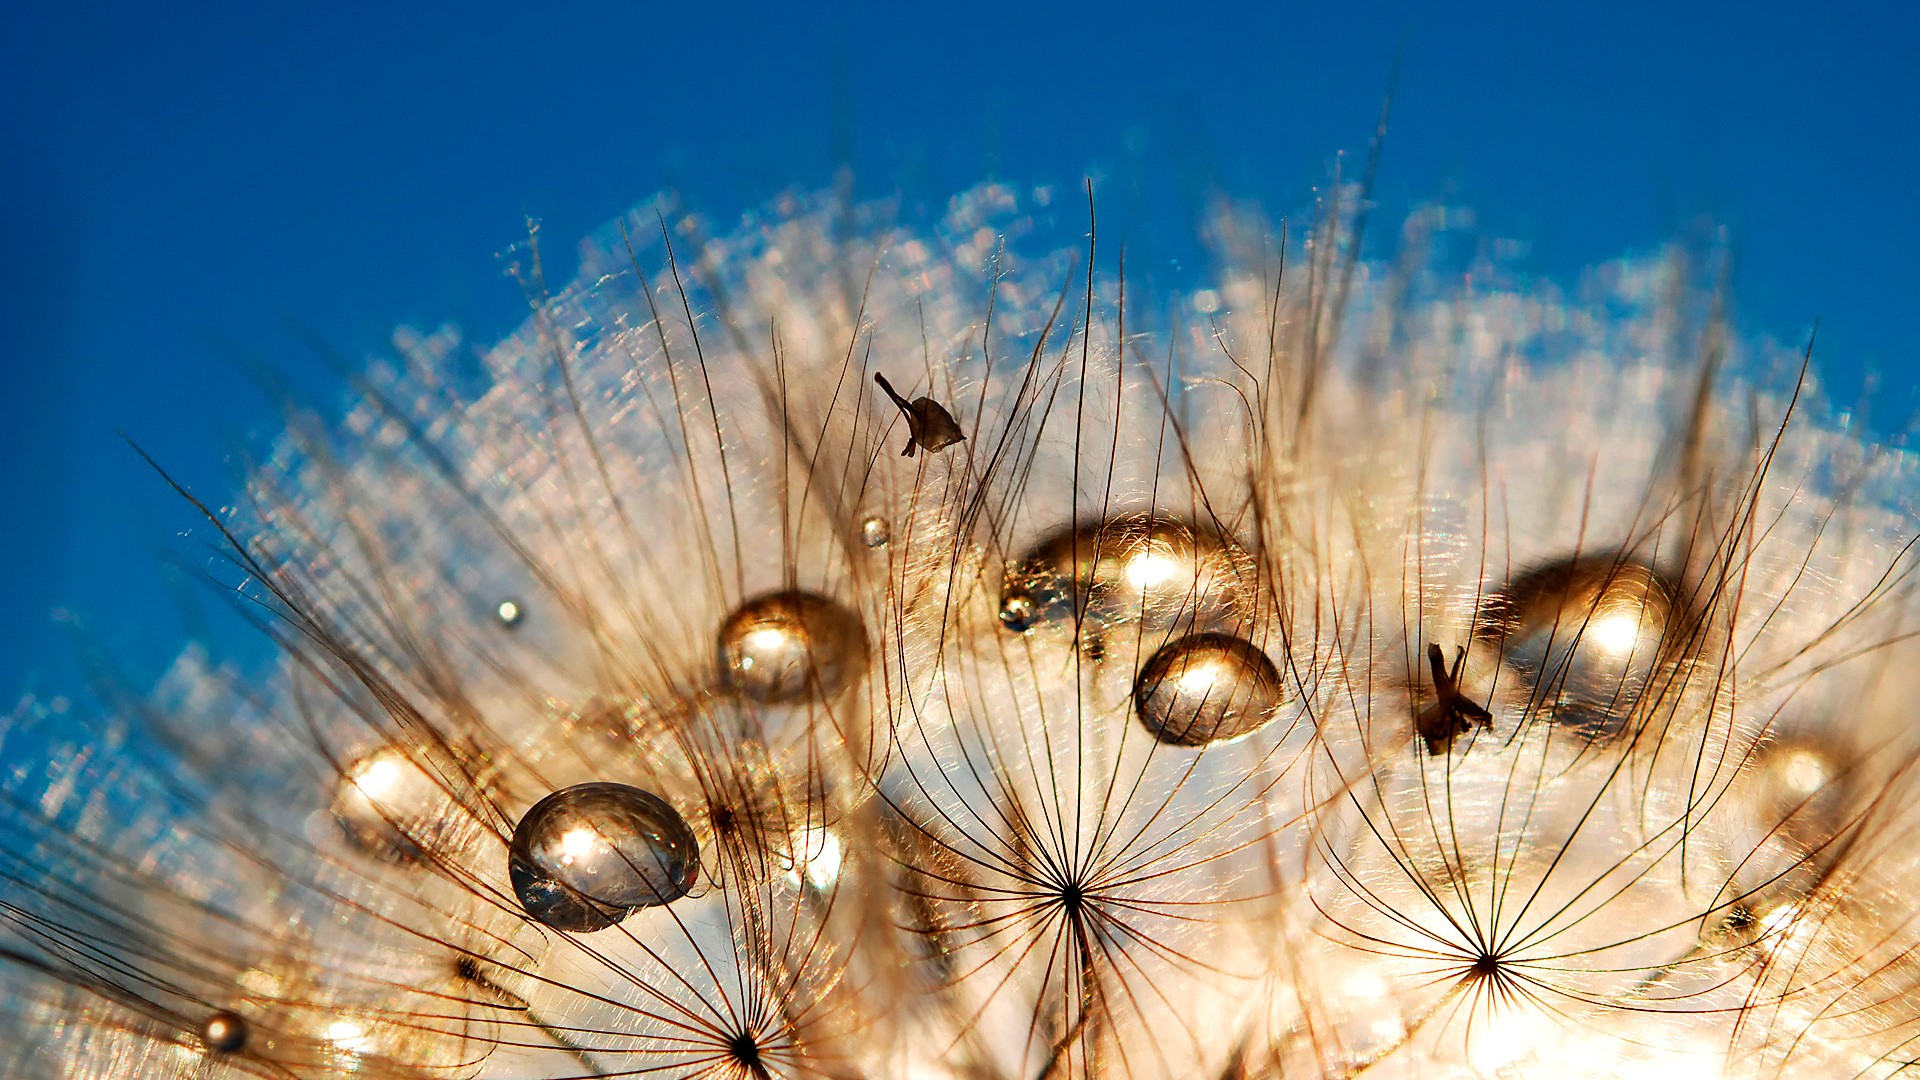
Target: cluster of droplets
584,857
1160,580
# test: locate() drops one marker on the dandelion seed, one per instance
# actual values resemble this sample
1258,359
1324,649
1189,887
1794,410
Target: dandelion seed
929,424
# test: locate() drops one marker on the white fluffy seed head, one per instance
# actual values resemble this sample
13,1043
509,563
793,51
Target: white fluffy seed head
1584,748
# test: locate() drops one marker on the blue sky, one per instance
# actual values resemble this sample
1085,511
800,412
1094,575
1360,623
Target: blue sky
186,194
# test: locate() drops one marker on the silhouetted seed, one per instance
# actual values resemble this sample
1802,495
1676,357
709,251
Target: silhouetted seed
745,1050
1452,715
929,424
1740,920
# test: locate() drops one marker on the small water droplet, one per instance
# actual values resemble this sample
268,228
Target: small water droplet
791,645
389,807
224,1033
1018,612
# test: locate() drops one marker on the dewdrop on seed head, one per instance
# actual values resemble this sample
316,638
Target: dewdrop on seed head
587,856
1393,673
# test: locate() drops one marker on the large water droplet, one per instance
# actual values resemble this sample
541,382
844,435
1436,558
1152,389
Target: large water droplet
1205,688
585,857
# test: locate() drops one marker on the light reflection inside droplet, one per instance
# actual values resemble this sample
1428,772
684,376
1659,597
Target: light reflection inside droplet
377,776
1616,633
772,637
1200,678
823,868
348,1036
580,843
1152,568
1803,772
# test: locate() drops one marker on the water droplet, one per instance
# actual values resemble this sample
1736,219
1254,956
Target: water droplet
224,1033
585,857
1160,572
1018,612
791,645
1206,688
509,613
389,807
349,1037
1585,636
1788,811
875,531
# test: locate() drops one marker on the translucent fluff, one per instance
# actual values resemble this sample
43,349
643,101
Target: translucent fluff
1335,671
